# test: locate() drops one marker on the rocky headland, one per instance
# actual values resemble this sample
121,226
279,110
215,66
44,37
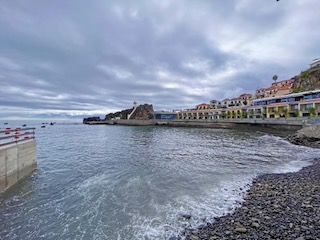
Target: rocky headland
141,112
277,206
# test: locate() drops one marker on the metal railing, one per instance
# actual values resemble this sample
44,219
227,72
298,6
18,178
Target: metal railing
15,135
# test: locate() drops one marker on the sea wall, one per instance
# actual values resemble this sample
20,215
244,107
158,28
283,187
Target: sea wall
242,124
17,161
134,122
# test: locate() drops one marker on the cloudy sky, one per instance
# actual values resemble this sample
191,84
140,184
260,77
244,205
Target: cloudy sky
74,58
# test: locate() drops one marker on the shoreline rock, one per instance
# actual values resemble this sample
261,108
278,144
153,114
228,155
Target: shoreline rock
307,136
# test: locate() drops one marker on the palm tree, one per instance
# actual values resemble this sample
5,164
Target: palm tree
274,78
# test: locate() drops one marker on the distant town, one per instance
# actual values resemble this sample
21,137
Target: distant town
292,98
295,97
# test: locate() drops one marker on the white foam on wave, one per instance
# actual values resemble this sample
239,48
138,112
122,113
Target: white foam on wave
170,221
295,157
293,166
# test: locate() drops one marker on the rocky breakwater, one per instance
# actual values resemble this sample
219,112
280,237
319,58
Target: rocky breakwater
277,206
91,119
307,136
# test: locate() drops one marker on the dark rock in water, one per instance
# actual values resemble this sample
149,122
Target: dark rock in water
186,216
89,119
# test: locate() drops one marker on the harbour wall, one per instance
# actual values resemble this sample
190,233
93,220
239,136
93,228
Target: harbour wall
17,161
245,124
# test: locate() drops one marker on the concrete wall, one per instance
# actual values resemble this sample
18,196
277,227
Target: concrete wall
134,122
16,162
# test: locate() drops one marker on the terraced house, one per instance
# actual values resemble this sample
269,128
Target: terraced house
303,104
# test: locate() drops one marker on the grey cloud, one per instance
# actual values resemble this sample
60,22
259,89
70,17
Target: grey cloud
72,57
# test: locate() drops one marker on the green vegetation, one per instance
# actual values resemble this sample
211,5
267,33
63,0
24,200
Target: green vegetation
299,89
285,112
304,74
312,112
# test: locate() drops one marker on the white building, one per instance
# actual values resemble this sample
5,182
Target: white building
315,63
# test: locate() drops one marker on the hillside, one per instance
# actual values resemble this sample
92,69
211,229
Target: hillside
307,80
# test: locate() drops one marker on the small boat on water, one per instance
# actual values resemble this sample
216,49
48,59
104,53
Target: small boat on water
5,123
24,125
43,126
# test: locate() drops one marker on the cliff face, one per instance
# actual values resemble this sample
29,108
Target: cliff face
307,80
143,112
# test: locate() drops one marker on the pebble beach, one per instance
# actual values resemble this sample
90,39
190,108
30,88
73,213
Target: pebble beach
277,206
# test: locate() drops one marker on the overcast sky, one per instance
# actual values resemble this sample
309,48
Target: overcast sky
74,58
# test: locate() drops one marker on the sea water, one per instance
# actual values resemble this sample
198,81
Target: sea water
125,182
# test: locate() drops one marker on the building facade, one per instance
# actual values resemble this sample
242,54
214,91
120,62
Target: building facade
303,104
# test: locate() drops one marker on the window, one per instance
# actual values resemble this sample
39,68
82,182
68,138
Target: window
308,107
307,97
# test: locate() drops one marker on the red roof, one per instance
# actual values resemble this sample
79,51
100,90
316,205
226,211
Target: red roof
284,88
203,104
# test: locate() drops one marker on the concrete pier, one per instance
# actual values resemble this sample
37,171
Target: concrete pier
17,161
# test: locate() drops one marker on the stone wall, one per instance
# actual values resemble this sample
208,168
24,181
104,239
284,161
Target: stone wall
16,162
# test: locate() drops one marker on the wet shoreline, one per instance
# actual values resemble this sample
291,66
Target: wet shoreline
277,206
